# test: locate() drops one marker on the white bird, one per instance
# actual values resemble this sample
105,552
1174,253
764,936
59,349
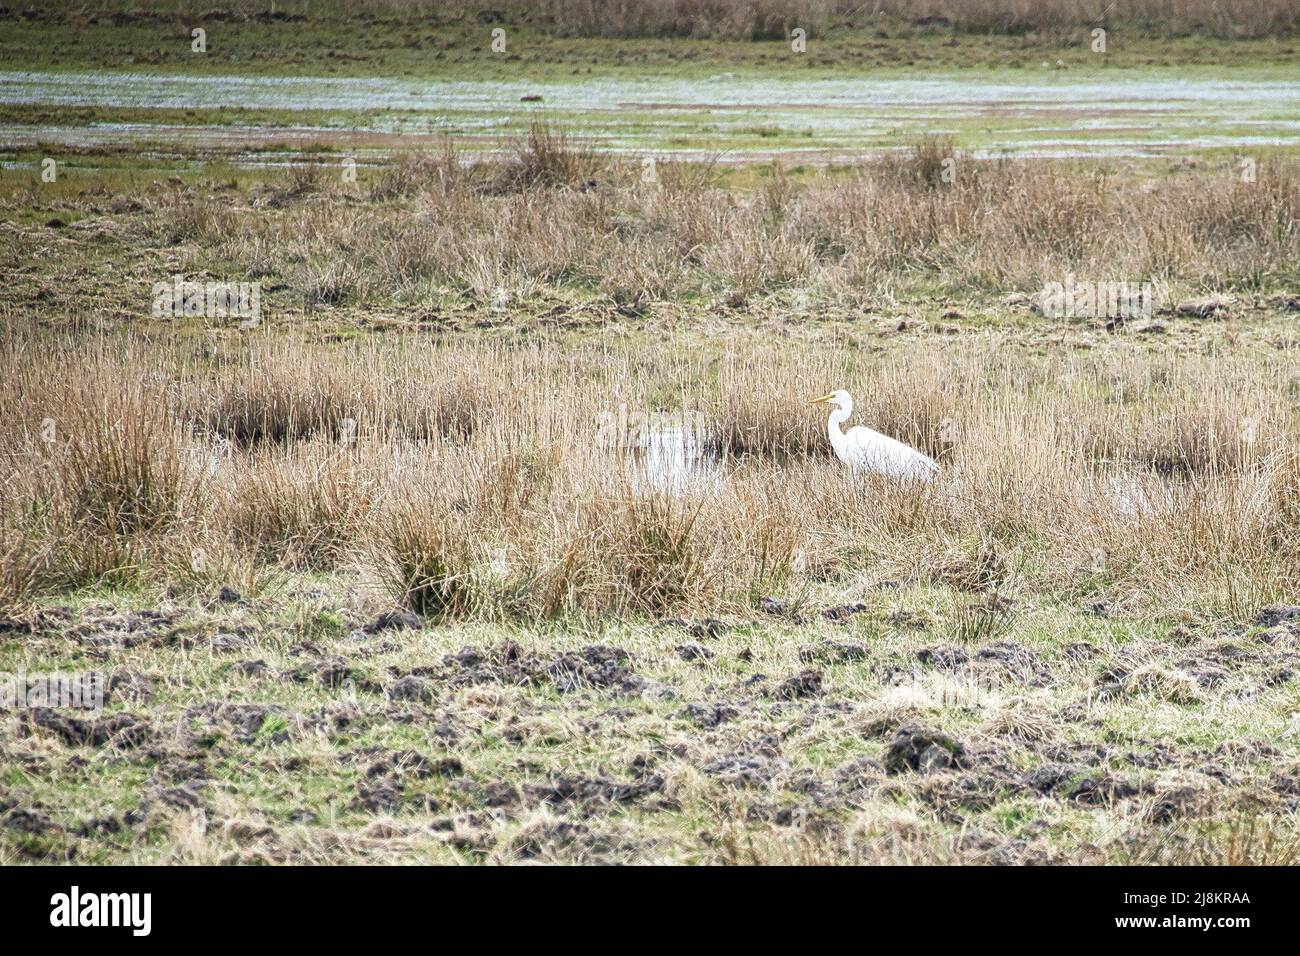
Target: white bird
865,450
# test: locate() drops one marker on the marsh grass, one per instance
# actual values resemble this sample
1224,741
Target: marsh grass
99,477
546,157
423,555
1167,477
551,217
548,218
473,475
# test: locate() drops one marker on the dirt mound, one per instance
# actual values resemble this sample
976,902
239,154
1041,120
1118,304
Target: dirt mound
124,731
917,749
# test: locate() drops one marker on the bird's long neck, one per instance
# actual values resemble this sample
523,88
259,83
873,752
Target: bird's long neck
839,441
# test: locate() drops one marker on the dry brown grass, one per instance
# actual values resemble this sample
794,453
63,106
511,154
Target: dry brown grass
550,216
96,477
471,478
546,157
301,507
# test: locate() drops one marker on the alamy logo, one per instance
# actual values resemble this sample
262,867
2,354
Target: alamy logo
631,429
103,909
212,300
76,691
1073,299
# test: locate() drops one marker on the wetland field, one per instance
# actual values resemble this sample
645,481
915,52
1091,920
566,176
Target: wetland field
406,452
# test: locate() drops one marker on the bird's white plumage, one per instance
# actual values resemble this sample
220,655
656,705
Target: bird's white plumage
865,450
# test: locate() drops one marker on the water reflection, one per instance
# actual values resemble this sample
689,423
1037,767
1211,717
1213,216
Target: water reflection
672,458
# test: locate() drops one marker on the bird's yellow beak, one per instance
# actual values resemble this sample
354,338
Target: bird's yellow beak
824,398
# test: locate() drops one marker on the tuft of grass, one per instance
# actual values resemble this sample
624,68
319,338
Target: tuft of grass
544,157
657,554
97,477
423,557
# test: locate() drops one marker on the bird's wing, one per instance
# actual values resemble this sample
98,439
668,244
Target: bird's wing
877,452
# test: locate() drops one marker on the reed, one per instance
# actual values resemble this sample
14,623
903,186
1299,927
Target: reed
477,478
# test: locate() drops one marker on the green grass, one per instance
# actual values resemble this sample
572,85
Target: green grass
457,49
295,789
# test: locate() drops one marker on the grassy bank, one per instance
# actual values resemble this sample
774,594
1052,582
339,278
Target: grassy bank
456,43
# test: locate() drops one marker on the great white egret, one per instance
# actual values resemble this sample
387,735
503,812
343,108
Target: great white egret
865,450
